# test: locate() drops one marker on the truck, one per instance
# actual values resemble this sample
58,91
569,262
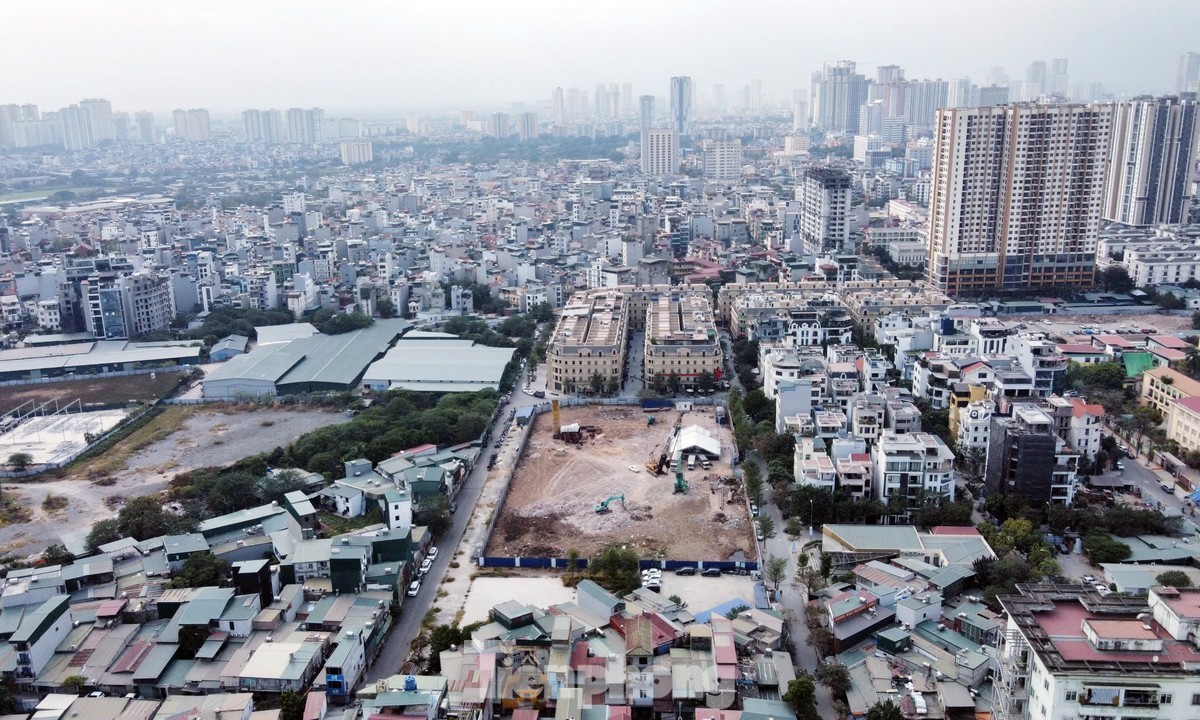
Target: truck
691,462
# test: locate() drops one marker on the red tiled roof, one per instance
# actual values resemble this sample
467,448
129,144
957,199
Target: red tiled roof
1191,403
1079,408
1077,348
1170,341
1169,354
1064,625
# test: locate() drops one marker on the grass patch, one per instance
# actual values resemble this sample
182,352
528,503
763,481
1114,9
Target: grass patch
454,564
334,524
113,454
54,503
448,579
12,510
443,593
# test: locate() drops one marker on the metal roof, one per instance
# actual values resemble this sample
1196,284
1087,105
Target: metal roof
341,359
440,365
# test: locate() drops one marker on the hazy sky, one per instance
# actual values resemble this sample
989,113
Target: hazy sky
162,54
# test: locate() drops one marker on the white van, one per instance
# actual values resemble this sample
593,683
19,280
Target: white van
691,462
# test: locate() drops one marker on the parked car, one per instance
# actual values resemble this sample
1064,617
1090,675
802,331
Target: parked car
432,554
413,588
685,571
1167,487
1120,466
425,565
754,509
711,572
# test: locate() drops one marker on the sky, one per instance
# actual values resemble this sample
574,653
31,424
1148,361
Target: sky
486,54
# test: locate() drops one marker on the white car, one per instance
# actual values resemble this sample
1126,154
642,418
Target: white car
432,554
414,588
425,565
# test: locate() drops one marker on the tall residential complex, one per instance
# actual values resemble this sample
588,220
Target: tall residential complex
722,159
1154,145
837,94
660,151
527,126
357,152
192,125
76,127
1188,77
1016,196
101,116
304,125
681,105
824,197
645,112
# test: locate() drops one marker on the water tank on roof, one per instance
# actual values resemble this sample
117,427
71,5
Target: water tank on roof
410,683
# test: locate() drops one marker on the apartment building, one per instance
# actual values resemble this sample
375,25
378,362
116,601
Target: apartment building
1026,457
1017,196
1183,423
905,465
681,337
1162,386
1069,652
1154,146
591,338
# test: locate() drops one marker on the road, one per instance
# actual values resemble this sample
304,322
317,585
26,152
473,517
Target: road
412,611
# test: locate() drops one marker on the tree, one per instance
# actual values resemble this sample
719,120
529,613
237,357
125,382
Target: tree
775,570
766,526
834,676
801,697
191,639
1115,278
103,532
291,705
19,461
758,406
794,527
433,513
706,381
736,610
73,684
386,308
57,554
821,641
442,638
615,568
597,382
1102,548
572,559
885,711
752,476
1173,578
201,570
144,517
679,602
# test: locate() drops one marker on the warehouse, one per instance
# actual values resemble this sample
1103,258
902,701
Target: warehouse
436,362
305,364
34,363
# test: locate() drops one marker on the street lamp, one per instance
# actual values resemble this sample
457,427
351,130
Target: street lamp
811,517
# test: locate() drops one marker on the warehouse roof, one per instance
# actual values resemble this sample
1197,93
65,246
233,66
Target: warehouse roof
101,353
341,359
266,363
270,334
441,365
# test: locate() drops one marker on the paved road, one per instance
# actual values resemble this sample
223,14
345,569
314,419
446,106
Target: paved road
413,610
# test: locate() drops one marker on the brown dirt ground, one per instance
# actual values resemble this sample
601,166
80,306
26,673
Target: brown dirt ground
97,390
550,506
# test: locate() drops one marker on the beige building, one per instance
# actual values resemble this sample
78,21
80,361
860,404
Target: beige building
1183,423
681,336
1161,387
591,337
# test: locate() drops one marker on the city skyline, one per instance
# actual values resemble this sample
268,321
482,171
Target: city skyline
382,57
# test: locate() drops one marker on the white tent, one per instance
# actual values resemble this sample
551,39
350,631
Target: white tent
694,439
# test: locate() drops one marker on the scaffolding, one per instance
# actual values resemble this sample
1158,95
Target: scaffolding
1010,686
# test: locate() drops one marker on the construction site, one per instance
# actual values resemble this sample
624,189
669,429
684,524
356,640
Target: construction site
660,482
51,433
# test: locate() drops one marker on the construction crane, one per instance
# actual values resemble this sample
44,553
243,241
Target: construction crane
603,507
681,485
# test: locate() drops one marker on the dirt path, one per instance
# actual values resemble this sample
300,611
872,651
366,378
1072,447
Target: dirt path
201,438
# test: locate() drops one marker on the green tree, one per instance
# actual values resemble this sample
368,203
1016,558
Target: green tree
572,559
57,554
597,382
201,570
19,461
615,568
775,570
144,517
191,639
759,407
74,684
1173,578
442,638
103,532
801,697
736,610
1102,548
887,710
752,476
386,308
766,526
291,705
706,381
834,676
433,512
1114,278
820,639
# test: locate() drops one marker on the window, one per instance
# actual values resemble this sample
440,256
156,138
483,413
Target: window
1196,698
1164,699
1072,696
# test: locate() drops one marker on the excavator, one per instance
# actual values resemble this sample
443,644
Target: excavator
603,507
681,485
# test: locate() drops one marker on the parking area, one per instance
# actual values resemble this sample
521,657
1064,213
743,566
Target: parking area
702,593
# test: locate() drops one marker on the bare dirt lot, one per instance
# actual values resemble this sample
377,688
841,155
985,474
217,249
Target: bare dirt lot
180,439
550,506
107,390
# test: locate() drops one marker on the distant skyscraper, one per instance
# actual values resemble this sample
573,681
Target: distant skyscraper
681,105
756,98
252,125
885,74
179,120
962,93
1187,79
121,127
1154,148
304,125
600,101
722,159
837,94
824,197
1000,219
527,126
198,128
718,97
76,128
498,125
925,97
357,152
1059,82
272,127
799,115
996,76
1035,81
145,126
558,100
993,95
100,115
626,99
660,151
645,112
